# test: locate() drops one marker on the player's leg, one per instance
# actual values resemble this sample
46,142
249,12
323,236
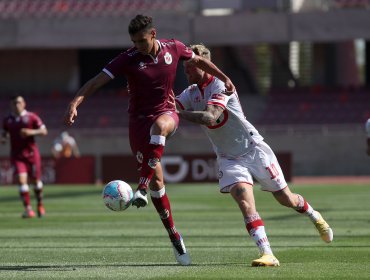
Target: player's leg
162,204
267,171
243,195
162,127
297,202
20,170
38,186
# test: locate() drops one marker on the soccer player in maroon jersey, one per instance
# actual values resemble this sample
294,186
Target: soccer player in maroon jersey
150,68
22,127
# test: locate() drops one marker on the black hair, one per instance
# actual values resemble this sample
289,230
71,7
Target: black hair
14,97
140,23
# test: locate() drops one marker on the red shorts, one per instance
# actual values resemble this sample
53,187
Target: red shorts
139,132
31,166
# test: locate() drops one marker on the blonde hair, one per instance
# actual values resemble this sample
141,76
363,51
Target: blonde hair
201,50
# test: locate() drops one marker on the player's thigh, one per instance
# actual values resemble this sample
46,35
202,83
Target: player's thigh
266,170
165,124
231,172
139,137
35,171
20,171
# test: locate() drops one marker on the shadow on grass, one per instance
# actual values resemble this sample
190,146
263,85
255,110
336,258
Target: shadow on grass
53,195
79,267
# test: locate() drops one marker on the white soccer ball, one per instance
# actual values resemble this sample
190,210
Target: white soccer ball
117,195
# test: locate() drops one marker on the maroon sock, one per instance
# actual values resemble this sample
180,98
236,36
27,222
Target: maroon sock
38,194
162,204
150,160
25,197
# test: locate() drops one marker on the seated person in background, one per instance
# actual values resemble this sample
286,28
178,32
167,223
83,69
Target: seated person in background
65,146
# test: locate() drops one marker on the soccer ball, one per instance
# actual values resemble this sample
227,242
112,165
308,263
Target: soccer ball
117,195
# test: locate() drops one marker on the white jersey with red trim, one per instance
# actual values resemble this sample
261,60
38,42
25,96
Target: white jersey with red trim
232,135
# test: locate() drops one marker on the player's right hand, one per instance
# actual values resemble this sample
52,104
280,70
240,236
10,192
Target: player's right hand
70,115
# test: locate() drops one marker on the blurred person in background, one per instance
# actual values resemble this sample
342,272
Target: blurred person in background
22,126
368,136
65,146
241,154
150,68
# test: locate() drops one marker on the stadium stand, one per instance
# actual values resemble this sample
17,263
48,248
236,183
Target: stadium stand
305,106
83,8
316,106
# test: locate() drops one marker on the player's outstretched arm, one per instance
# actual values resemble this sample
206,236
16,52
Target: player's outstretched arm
207,117
207,66
87,89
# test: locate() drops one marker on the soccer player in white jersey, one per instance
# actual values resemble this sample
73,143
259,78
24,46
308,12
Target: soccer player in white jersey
241,153
368,136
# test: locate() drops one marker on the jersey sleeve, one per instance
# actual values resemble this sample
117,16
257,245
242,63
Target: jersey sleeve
37,122
217,96
184,52
116,67
183,100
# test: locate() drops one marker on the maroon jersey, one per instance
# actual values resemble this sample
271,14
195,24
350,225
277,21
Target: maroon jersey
150,80
22,148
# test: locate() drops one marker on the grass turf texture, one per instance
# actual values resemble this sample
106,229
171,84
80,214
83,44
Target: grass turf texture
81,239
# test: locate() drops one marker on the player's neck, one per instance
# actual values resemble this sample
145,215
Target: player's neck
155,49
204,81
18,114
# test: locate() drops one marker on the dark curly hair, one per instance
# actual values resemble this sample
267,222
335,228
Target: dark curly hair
140,23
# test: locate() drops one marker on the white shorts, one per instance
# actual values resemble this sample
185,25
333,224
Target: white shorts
260,163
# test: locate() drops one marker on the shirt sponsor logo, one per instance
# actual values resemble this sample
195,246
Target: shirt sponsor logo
168,58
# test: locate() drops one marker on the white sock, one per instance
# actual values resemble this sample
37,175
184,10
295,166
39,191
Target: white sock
259,236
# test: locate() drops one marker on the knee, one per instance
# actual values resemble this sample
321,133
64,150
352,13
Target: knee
243,204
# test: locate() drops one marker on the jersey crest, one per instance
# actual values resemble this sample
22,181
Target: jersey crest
168,58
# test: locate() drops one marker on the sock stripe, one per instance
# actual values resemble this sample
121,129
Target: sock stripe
254,224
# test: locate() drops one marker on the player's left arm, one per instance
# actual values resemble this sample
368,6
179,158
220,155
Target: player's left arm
207,66
207,117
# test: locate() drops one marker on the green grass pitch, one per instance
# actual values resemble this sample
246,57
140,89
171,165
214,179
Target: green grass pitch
81,239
